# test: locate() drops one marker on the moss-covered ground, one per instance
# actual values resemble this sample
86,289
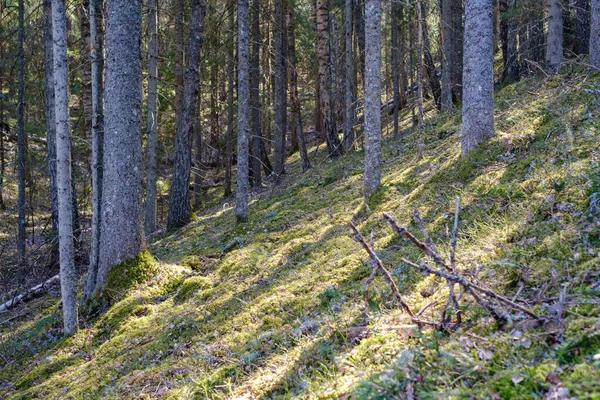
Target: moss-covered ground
280,315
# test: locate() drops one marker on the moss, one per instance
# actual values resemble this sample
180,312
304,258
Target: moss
192,285
128,274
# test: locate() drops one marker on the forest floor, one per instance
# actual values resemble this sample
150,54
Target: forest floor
279,313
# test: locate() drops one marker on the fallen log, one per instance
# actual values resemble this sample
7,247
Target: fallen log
30,294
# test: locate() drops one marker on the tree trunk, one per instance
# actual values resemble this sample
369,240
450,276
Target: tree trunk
595,36
324,73
457,48
430,68
581,43
50,127
446,30
241,193
21,157
359,29
349,89
395,66
68,273
279,89
554,49
255,104
508,33
179,57
86,79
230,75
152,119
420,90
198,158
179,205
97,59
121,226
372,97
478,91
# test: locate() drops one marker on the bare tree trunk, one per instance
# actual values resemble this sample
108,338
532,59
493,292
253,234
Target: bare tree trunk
581,44
372,97
21,157
359,29
508,33
241,194
457,48
420,29
255,104
230,73
68,273
395,66
86,79
279,89
595,36
446,30
554,49
430,68
97,59
50,126
349,89
179,205
324,73
121,226
152,119
197,167
478,91
179,57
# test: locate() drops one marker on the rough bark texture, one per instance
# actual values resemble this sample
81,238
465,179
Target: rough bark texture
595,36
457,48
68,273
121,225
349,89
97,59
581,42
241,194
324,73
478,81
554,49
255,125
179,205
230,113
152,119
22,233
446,22
50,125
372,97
279,89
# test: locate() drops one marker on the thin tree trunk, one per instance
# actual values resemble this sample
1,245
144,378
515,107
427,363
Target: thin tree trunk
446,22
179,205
255,104
554,49
349,89
420,29
279,89
241,193
359,29
595,35
395,66
508,33
372,177
179,57
97,59
581,44
198,157
86,79
121,226
21,157
478,91
430,68
230,76
152,119
457,48
68,273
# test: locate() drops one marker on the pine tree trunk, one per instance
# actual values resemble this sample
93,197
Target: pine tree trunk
230,75
279,89
255,104
198,157
349,89
446,30
68,273
478,81
86,79
595,36
395,67
581,43
121,226
372,97
241,193
359,29
430,68
420,89
179,204
97,59
179,58
508,33
554,49
324,73
152,119
50,126
21,157
457,48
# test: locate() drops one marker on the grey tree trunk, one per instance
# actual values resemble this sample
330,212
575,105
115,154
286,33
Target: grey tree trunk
595,36
230,114
198,158
420,72
50,126
395,66
372,177
359,29
349,89
446,22
255,104
179,57
121,226
86,78
68,273
478,81
279,89
430,68
324,74
457,48
97,59
22,235
152,121
241,192
179,205
554,49
581,44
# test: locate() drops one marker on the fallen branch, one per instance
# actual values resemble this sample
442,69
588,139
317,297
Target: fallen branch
30,294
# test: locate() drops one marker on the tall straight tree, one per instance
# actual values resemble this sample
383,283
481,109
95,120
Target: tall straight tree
121,226
457,48
241,194
22,235
478,79
279,88
581,44
257,143
554,45
230,82
179,56
324,76
68,273
152,121
446,22
50,125
97,59
595,36
372,178
508,33
349,93
395,65
179,206
86,78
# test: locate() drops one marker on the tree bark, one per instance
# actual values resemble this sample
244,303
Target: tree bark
349,89
179,58
581,43
86,79
446,30
430,68
508,33
152,119
68,273
478,81
372,177
554,49
230,73
395,66
279,89
595,36
420,89
359,29
121,226
21,156
457,48
241,194
179,205
255,104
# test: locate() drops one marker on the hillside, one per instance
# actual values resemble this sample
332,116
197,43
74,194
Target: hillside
274,308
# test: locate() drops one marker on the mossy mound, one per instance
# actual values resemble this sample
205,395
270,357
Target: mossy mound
128,274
